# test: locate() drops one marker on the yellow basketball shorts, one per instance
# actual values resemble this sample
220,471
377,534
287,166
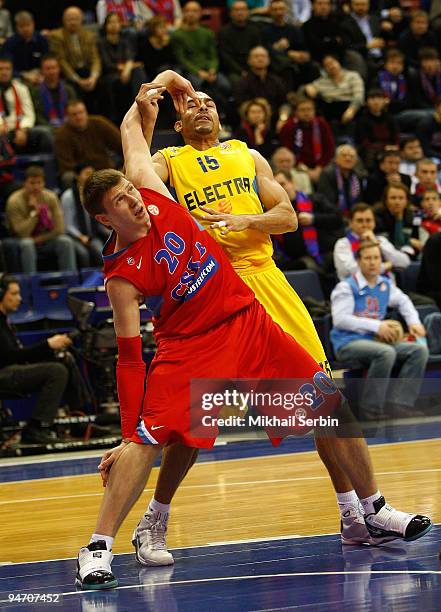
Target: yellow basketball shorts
286,308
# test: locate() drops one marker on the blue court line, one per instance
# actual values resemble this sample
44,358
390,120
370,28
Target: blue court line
280,574
232,450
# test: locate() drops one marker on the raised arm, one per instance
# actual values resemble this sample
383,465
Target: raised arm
279,216
138,162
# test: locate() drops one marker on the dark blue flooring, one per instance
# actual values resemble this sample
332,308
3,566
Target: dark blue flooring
303,574
232,450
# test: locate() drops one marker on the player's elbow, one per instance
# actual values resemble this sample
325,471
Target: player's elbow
292,221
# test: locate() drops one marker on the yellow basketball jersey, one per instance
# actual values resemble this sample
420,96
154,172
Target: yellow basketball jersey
222,178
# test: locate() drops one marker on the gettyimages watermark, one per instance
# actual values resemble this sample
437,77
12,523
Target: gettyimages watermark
350,407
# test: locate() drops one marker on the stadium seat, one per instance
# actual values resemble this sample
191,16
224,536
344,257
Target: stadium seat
49,292
26,313
306,283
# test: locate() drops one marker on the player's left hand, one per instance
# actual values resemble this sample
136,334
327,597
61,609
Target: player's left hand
147,100
416,329
225,222
108,460
179,88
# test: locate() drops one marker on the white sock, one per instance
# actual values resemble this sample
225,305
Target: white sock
161,510
98,536
347,500
368,503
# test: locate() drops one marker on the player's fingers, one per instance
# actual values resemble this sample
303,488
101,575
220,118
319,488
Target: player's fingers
208,210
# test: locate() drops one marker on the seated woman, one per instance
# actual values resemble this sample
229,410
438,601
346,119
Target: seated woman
255,128
121,75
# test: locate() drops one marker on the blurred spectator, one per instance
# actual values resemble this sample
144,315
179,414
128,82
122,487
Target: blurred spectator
411,152
154,48
429,132
125,9
396,84
170,9
340,182
195,50
236,39
35,220
362,33
417,37
431,214
361,333
32,368
26,48
88,234
429,279
5,23
395,219
376,128
320,225
289,56
284,159
299,11
362,228
18,115
259,82
255,128
78,54
426,177
388,172
322,31
51,96
339,92
309,137
85,136
258,8
121,77
426,84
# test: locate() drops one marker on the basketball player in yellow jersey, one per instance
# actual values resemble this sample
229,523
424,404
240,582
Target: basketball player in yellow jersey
231,190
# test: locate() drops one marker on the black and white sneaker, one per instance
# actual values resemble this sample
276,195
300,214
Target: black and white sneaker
386,521
93,567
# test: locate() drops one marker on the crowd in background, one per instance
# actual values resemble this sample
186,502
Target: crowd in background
343,99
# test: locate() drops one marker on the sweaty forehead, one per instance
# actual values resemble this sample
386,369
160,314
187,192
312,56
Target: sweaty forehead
201,96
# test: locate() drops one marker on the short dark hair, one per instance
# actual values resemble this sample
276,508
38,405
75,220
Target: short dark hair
405,141
366,244
394,54
6,59
428,53
388,153
82,165
34,172
360,207
96,187
375,92
6,279
48,56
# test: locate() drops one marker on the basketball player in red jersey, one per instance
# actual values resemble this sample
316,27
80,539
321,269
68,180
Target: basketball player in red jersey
159,253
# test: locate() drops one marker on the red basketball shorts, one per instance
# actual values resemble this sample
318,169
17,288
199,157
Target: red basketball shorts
248,345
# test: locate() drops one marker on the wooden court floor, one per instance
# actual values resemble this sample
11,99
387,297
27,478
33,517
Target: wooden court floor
221,501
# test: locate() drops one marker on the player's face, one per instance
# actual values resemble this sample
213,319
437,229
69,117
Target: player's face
370,261
125,209
200,120
430,203
426,173
362,222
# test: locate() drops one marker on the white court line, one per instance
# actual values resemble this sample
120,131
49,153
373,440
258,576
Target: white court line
209,545
253,457
262,577
213,485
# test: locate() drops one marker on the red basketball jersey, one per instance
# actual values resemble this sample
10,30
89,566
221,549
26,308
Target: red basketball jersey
187,280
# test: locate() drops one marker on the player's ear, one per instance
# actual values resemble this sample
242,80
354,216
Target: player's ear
178,126
104,219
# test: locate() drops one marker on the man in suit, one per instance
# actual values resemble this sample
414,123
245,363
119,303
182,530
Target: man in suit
77,52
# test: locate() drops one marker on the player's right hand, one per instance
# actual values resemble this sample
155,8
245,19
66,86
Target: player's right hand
108,460
147,100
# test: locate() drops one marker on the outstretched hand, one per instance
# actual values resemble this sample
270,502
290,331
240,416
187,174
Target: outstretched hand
147,100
